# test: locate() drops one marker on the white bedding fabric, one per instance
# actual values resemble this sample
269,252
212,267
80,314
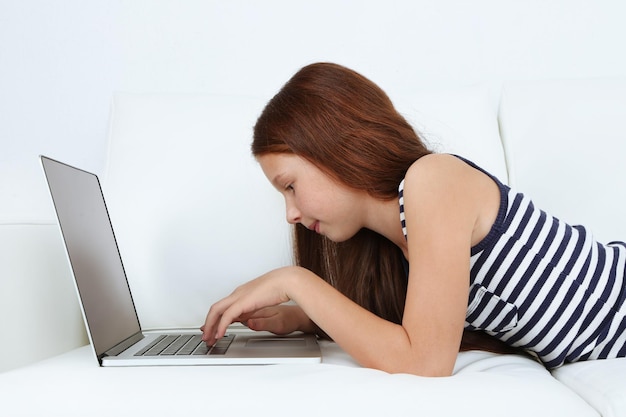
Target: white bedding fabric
485,385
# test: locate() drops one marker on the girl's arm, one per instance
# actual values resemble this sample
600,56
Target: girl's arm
441,212
370,340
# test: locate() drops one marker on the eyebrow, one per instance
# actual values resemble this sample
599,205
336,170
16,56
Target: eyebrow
277,180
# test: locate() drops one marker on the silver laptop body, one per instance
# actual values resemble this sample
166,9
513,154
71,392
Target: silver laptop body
106,300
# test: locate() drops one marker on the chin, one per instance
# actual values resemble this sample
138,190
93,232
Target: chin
338,238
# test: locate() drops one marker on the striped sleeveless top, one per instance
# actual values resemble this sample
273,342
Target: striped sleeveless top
542,285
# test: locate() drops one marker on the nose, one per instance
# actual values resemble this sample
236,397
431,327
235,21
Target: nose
293,214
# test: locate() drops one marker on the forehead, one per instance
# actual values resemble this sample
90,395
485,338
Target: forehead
277,161
277,165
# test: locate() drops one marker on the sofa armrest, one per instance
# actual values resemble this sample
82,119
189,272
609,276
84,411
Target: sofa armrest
38,301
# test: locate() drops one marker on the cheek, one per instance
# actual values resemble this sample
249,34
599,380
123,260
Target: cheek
319,204
305,204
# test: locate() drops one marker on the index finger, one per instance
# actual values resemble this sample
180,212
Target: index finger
221,315
212,319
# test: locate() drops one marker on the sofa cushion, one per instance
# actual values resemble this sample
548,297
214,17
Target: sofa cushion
193,214
565,146
462,121
601,383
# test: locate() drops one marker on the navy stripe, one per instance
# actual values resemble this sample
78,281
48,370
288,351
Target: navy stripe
528,212
576,253
620,330
597,273
614,274
512,211
595,335
610,284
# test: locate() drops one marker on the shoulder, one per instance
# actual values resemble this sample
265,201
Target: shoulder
445,192
437,170
446,187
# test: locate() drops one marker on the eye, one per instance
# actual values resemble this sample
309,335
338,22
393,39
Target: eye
289,187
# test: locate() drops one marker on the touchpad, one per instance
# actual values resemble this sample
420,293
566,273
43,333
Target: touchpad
290,342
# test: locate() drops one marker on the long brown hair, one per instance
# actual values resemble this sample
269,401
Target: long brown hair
348,127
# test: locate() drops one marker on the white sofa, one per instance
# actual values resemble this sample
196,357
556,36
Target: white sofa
194,217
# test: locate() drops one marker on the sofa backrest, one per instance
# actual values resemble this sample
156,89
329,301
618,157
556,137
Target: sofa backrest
565,145
193,213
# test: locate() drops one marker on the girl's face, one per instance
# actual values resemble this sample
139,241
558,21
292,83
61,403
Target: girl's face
313,198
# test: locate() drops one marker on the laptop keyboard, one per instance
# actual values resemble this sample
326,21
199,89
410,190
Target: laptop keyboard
185,344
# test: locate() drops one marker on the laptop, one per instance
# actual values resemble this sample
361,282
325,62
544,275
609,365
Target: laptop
107,303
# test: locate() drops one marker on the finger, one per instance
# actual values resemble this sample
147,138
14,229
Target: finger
212,318
251,320
268,325
273,320
265,312
274,325
217,321
228,317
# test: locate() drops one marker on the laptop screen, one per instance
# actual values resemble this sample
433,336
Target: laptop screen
93,253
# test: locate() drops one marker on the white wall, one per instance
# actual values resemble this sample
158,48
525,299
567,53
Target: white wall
60,61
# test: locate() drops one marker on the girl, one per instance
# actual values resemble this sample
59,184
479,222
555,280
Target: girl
400,249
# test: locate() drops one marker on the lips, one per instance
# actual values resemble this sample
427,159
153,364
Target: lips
315,227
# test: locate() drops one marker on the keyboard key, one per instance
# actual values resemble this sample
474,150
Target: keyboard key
191,345
175,347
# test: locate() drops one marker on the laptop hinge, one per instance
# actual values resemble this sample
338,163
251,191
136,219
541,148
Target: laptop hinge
120,347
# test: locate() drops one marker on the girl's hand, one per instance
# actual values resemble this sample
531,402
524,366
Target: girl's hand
268,290
280,320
